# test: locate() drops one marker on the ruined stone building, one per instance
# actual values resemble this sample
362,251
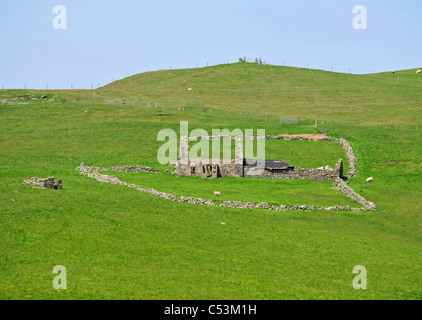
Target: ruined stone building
241,167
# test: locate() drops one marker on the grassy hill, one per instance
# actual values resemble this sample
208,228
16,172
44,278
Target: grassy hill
117,243
282,91
381,98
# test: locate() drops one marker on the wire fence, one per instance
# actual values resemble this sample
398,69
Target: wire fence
229,117
327,125
262,118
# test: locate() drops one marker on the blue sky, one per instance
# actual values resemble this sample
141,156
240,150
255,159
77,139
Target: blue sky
108,39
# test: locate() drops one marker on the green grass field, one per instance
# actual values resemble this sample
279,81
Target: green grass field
117,243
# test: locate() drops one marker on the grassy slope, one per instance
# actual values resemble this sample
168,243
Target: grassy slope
272,192
118,243
283,91
278,91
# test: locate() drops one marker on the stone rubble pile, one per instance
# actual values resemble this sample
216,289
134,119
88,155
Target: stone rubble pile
47,183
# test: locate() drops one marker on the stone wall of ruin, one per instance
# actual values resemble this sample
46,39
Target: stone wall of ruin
86,170
319,174
351,157
122,168
341,185
296,174
314,174
195,168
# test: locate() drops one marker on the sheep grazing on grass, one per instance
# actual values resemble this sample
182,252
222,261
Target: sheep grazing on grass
419,71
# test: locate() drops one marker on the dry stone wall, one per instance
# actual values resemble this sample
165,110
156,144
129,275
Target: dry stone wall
345,144
92,173
297,174
121,168
350,156
339,184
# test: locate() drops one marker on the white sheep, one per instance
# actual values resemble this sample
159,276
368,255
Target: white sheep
419,71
